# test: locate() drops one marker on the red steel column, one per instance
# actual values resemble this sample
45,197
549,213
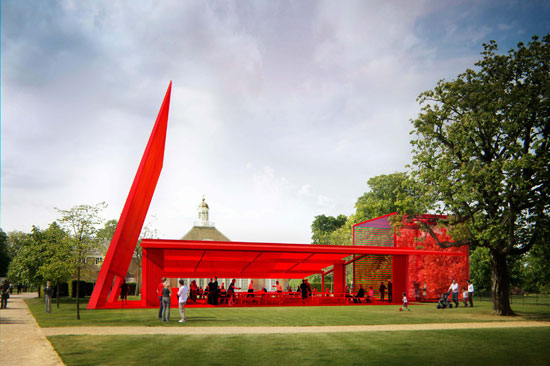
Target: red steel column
339,277
399,276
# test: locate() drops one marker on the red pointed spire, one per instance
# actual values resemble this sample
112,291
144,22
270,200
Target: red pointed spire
123,244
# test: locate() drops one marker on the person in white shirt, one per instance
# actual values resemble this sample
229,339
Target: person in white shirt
465,297
471,293
405,303
454,289
182,300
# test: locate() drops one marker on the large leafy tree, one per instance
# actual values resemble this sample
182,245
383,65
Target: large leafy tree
28,258
481,150
58,257
82,224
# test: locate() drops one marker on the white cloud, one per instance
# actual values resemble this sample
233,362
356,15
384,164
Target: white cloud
280,111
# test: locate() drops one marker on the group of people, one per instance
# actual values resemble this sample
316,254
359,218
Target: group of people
467,293
165,296
213,293
6,289
370,295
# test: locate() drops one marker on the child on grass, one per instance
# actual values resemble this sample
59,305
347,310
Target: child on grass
405,303
465,296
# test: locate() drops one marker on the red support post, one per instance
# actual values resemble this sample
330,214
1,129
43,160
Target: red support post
399,276
339,277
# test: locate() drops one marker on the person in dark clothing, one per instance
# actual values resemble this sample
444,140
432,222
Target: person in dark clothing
382,290
216,291
124,289
159,293
360,295
390,293
48,294
5,290
305,289
213,291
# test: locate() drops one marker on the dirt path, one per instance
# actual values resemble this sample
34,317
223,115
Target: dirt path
186,330
22,342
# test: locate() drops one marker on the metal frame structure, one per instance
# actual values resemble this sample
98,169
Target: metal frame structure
182,258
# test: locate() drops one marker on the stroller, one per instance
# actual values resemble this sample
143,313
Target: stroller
444,301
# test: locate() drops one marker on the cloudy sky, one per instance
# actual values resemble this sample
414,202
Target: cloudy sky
280,110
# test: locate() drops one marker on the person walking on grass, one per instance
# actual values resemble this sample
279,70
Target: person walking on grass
166,293
182,300
48,294
471,293
405,303
454,289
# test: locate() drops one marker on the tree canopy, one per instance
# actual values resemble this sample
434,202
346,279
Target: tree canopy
481,152
323,226
81,223
4,254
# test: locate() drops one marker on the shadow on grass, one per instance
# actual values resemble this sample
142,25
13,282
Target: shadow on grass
203,318
534,316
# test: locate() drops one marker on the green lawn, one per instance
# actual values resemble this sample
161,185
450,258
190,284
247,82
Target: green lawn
278,316
511,346
521,346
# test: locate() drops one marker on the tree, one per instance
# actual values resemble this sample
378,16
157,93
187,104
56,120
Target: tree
481,150
106,233
480,269
385,193
81,223
58,260
323,226
4,254
25,265
535,267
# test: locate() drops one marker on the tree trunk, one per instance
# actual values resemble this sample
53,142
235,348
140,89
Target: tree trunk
500,285
78,293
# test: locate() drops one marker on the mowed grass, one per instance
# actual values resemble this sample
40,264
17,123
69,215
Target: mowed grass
520,346
65,316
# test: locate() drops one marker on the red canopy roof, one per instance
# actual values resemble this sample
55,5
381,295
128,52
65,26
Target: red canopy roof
190,258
